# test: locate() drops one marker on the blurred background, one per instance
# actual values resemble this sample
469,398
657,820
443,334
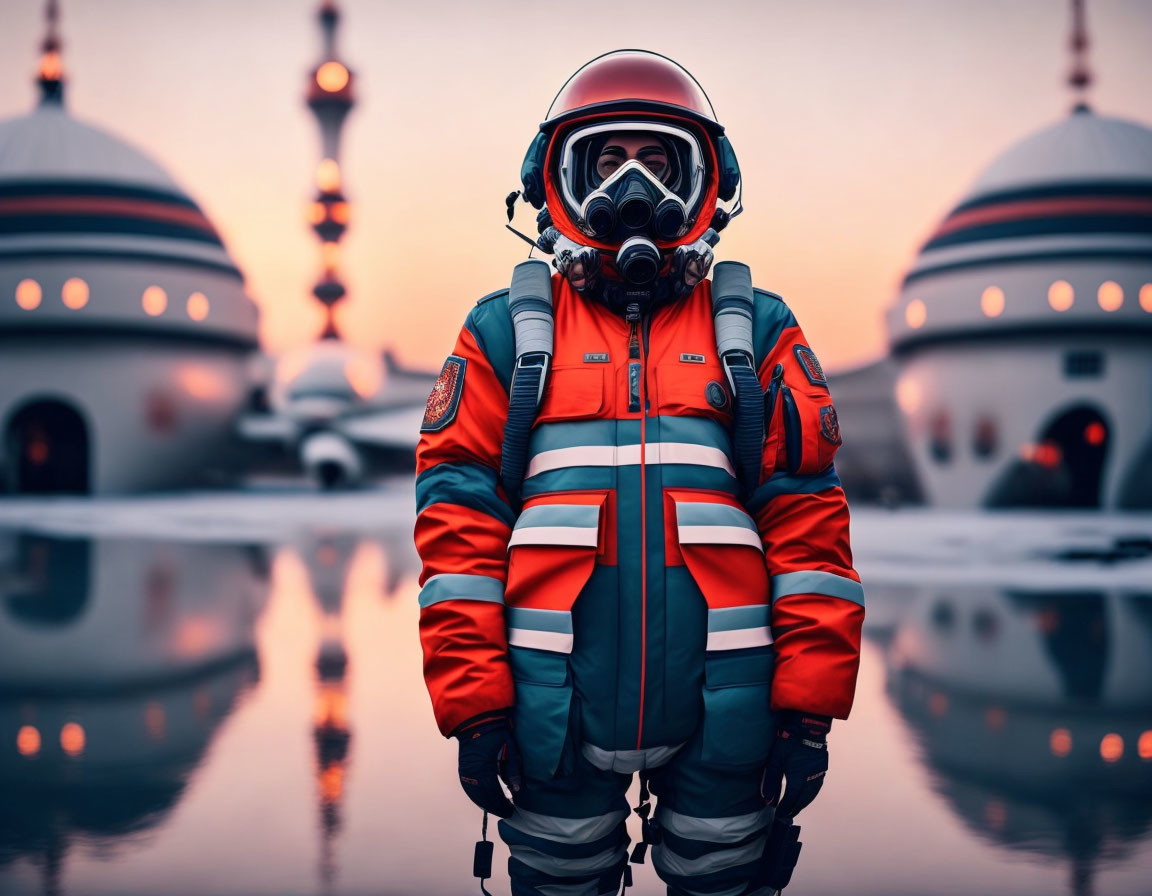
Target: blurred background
236,242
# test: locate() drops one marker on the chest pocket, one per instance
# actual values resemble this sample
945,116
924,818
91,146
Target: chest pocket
574,392
687,389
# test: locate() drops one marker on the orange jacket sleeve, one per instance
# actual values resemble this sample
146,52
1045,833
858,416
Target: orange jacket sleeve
463,524
800,509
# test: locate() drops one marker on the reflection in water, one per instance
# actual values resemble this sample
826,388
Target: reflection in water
327,557
1033,710
119,660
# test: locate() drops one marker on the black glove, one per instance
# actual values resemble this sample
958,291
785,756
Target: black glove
488,750
800,756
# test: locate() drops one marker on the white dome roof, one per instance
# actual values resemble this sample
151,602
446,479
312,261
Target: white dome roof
1082,147
49,144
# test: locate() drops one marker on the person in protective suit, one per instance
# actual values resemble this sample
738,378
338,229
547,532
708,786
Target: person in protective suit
663,584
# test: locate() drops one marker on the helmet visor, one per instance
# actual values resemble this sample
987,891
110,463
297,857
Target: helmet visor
670,155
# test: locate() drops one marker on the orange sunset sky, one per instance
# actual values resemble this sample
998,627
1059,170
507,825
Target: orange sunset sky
857,125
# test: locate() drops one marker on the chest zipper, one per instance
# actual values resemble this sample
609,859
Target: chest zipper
638,402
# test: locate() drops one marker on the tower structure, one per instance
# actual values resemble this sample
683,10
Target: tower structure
330,96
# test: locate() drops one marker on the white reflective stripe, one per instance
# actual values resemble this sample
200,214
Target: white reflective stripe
626,455
566,830
727,829
569,867
557,642
568,535
720,535
668,861
738,639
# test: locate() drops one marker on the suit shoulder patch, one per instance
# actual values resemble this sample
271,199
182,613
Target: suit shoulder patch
444,399
810,365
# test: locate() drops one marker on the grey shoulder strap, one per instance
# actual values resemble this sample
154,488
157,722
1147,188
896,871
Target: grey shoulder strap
732,316
533,323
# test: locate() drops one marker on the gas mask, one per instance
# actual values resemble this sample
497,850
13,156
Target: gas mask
633,183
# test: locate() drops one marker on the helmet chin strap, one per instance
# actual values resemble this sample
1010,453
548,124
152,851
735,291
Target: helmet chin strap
586,271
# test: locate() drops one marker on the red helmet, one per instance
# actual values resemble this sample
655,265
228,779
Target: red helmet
629,86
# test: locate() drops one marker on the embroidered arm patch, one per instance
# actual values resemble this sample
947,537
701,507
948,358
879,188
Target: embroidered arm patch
444,399
810,365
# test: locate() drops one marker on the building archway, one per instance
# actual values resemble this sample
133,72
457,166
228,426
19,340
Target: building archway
1064,467
47,449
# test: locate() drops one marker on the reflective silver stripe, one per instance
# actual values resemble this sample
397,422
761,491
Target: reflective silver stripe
720,535
566,830
667,860
628,761
710,522
458,586
540,629
811,581
728,829
734,628
569,524
625,455
556,642
569,867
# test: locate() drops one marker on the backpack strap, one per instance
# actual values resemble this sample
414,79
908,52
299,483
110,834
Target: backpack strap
732,315
533,322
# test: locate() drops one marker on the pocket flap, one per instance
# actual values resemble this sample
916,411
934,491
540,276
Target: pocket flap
573,392
553,550
539,629
699,522
721,546
560,524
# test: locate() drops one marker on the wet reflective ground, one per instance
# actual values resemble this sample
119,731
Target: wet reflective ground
226,698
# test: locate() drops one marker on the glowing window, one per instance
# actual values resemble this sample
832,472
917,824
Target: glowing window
28,294
197,306
1144,745
1111,747
992,301
28,741
915,314
155,300
1146,297
72,739
1060,742
74,293
332,76
1110,295
1061,295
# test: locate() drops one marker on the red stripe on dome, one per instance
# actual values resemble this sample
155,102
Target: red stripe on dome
110,207
1041,208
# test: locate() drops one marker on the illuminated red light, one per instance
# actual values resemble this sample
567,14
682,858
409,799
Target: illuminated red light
1094,433
1111,747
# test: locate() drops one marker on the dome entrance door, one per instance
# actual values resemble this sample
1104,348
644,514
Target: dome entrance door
46,449
1063,468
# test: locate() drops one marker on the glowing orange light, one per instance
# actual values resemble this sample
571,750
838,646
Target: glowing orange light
331,709
331,783
938,704
72,739
197,306
1146,297
74,293
330,255
328,175
992,301
915,314
51,67
994,718
1144,745
28,741
316,212
1094,433
1110,295
1111,747
194,636
332,76
339,212
28,294
1061,295
1060,742
154,300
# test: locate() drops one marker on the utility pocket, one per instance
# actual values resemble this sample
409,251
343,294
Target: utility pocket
552,552
721,548
690,389
573,392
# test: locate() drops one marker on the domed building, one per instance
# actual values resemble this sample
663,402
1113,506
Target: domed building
1023,331
125,323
